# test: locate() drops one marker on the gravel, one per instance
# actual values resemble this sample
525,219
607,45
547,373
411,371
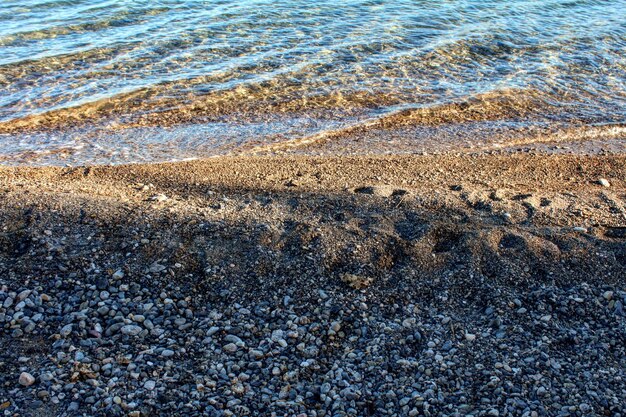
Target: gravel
336,351
236,295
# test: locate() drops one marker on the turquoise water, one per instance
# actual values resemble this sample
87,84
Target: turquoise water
113,81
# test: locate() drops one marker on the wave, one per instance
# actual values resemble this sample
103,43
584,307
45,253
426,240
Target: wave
51,30
148,107
485,128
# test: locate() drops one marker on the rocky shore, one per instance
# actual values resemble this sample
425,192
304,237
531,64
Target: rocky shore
302,286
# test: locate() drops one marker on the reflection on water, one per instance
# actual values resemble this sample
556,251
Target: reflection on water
109,81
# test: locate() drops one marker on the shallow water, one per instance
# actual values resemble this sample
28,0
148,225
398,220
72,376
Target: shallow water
113,82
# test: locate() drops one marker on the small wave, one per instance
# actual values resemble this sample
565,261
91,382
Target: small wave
148,107
502,105
117,19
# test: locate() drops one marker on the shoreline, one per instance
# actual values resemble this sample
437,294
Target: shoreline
413,168
307,285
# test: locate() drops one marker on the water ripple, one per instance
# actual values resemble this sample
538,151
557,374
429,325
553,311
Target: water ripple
162,63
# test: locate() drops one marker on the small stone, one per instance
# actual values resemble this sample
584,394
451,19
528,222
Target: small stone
166,353
66,330
130,330
470,337
159,198
356,281
233,339
119,274
212,330
277,335
149,385
380,190
102,283
230,347
603,182
26,379
257,354
23,295
325,388
156,268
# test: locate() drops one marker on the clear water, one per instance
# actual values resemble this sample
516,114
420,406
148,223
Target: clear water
111,81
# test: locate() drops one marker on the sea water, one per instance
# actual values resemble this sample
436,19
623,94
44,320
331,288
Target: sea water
142,81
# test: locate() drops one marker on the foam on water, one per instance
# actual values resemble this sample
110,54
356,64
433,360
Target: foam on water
111,82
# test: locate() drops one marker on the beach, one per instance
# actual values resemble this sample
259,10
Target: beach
290,208
483,284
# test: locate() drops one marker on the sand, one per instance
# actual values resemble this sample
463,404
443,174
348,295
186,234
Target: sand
519,216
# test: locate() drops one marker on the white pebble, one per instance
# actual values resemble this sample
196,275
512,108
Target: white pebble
26,379
159,197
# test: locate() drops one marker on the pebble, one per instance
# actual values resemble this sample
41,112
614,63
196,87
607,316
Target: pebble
66,330
233,339
26,379
131,330
102,283
159,198
166,353
230,347
604,182
377,190
130,349
117,275
470,337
